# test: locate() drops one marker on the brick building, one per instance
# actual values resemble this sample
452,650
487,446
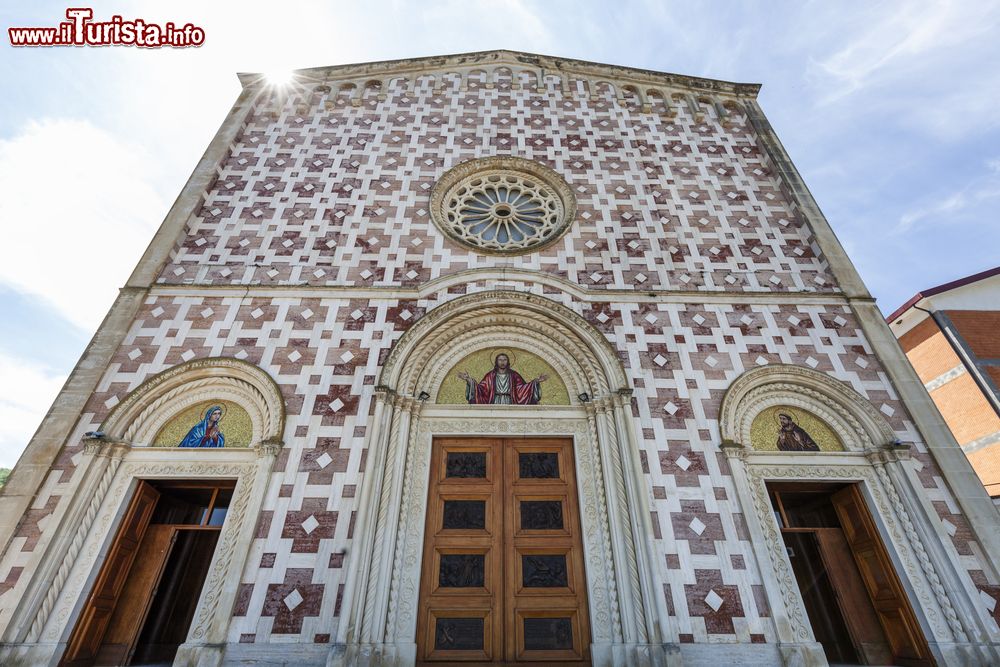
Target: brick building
951,335
503,358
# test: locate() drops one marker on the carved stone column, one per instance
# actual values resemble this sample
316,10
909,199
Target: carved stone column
642,643
973,641
359,562
376,607
365,635
797,645
649,605
99,462
622,545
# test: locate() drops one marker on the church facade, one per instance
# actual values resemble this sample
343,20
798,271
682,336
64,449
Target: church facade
496,358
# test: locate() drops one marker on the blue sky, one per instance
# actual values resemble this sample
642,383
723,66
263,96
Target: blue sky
889,110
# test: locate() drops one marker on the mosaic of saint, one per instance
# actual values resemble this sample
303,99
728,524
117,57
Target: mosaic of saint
785,429
211,424
498,377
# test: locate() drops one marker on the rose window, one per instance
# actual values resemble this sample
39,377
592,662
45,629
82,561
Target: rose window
502,205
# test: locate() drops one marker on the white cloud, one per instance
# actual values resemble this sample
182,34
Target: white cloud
918,64
77,210
26,393
955,207
892,36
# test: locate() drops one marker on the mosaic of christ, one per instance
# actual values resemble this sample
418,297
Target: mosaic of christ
502,385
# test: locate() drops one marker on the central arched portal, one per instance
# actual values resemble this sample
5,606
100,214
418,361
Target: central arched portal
503,413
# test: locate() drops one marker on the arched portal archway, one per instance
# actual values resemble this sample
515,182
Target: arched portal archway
628,617
913,546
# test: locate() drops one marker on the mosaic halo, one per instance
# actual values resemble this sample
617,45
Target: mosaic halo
502,205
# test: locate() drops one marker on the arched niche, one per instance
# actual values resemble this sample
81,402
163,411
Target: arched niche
160,400
581,355
107,474
853,419
627,608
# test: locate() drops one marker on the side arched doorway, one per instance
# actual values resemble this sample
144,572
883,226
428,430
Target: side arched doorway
591,432
852,558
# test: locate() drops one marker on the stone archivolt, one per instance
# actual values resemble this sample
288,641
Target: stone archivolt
623,586
140,417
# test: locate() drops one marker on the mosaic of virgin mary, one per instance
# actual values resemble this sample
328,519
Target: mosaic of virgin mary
502,386
207,432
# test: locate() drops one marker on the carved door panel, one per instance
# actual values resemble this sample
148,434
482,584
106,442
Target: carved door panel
905,637
137,595
89,632
461,580
503,577
852,597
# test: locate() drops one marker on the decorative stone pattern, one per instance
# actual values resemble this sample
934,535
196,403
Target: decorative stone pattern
699,528
337,194
314,251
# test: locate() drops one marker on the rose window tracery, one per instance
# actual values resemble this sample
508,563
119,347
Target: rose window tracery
502,205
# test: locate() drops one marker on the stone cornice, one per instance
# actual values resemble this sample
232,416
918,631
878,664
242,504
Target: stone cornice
493,275
514,59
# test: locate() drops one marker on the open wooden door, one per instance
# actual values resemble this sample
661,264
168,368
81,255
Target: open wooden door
137,595
89,632
859,615
884,588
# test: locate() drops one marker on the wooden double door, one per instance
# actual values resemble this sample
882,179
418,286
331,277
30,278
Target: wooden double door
502,578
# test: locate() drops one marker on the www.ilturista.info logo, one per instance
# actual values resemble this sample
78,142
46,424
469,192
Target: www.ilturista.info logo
81,30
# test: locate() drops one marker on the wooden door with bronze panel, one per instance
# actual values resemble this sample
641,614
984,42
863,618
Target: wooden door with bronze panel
461,584
909,647
545,594
503,578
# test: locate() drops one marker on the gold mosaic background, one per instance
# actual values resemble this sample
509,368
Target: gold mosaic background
235,425
764,430
528,365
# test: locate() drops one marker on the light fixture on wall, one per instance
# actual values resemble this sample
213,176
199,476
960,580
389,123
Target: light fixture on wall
584,397
423,396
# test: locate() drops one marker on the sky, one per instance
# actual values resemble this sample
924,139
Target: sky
888,109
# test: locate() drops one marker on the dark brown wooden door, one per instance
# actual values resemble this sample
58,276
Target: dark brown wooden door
89,631
884,588
852,597
503,577
133,605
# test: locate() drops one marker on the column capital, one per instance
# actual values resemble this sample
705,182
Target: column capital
270,447
107,447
